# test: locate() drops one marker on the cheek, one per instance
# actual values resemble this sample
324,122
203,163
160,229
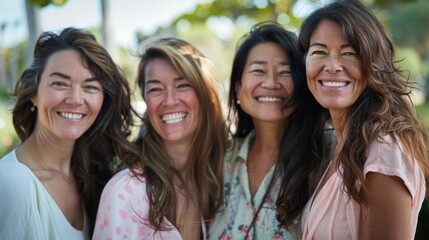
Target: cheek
194,104
150,108
311,85
362,85
244,90
248,82
309,69
289,85
97,102
151,115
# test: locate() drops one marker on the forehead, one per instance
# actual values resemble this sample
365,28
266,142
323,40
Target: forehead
160,71
328,31
68,62
64,58
267,52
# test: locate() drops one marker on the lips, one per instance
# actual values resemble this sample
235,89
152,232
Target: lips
74,116
173,117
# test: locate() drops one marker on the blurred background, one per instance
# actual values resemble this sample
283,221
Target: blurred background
214,26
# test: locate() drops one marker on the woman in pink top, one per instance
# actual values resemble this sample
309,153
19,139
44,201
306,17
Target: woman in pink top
176,187
377,179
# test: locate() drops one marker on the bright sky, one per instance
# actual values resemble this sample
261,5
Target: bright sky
127,16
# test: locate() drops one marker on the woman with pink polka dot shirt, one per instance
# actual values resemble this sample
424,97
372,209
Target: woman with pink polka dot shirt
175,188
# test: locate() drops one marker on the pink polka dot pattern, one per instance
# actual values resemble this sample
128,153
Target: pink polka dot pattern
124,211
121,196
123,214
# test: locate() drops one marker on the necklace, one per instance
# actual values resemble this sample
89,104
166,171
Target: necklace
67,179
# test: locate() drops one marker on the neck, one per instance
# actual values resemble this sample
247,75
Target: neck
179,153
339,123
55,155
267,136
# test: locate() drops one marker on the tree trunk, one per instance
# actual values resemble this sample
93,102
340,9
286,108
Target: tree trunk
106,28
34,29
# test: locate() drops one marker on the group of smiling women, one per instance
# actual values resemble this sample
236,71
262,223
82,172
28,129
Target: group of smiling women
320,139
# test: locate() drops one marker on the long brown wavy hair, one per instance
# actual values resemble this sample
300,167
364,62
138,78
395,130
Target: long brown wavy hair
204,166
385,106
95,153
300,148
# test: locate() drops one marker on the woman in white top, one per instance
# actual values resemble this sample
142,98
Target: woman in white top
72,114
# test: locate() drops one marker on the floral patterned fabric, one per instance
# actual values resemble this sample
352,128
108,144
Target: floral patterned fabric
234,217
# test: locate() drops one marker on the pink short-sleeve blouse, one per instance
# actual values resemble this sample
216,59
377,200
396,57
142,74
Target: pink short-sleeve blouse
333,215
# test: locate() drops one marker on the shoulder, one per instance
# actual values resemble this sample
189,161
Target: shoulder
387,156
124,206
239,148
389,152
124,189
14,176
18,196
125,180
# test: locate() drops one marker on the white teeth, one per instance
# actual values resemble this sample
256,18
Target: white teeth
173,117
269,99
333,84
71,115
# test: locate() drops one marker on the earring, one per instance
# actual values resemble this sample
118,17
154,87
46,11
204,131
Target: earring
33,108
238,102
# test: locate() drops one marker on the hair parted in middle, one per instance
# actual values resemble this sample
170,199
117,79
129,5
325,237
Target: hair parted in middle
204,165
301,146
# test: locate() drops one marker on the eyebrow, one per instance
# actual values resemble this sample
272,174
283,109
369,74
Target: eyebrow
324,45
154,81
67,77
258,62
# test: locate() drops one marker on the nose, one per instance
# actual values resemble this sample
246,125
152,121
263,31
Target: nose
271,81
333,64
74,97
170,97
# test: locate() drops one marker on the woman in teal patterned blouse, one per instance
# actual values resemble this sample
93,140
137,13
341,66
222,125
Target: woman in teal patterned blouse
269,104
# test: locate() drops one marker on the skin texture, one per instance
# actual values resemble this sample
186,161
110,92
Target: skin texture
388,208
68,101
69,97
170,97
266,83
173,109
331,59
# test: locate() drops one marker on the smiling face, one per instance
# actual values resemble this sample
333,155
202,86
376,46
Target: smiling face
172,104
68,99
266,83
334,70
